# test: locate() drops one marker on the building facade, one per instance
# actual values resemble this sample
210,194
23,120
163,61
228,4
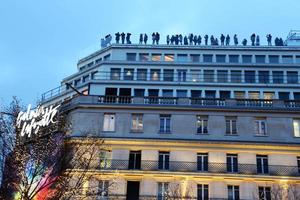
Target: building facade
189,122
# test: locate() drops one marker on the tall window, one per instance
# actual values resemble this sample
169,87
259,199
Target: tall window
262,164
128,74
141,74
155,74
105,159
202,124
260,126
181,75
264,193
202,162
233,192
109,122
163,160
162,190
134,160
202,192
165,124
236,76
298,164
208,75
103,187
231,125
263,76
222,76
232,163
137,122
296,125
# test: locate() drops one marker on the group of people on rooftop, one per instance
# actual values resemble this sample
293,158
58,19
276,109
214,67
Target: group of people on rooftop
193,39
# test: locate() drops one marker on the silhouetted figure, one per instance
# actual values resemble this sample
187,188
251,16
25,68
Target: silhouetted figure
117,37
281,42
227,40
252,38
157,37
276,41
153,38
222,39
185,40
176,39
212,40
180,39
128,38
244,42
216,42
235,40
199,39
145,38
123,37
168,39
269,39
257,41
191,37
195,40
141,38
172,39
206,40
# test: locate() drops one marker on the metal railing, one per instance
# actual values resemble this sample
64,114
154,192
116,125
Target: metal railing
181,166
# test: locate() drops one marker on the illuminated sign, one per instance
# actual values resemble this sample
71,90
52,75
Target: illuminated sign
31,120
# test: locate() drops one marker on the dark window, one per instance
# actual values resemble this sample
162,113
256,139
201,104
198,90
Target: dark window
211,94
181,75
208,75
202,192
222,76
292,77
134,160
260,58
202,162
233,58
250,76
141,74
168,75
165,124
225,94
131,56
195,93
232,163
207,58
231,125
233,192
297,95
195,57
284,95
202,124
277,76
236,76
107,57
264,193
298,164
274,59
181,93
220,58
263,76
247,58
262,164
163,160
287,59
139,92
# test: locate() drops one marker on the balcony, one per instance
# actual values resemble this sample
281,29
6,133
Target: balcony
292,105
194,167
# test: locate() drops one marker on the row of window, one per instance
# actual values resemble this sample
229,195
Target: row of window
260,124
209,58
210,76
97,61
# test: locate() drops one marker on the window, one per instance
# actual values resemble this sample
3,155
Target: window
277,76
232,163
105,159
247,58
163,160
181,75
233,192
139,92
222,76
207,58
253,95
210,94
296,95
169,57
131,56
107,57
264,193
202,192
260,126
115,73
250,76
239,94
94,75
167,93
233,58
260,58
77,82
298,163
109,122
269,95
156,57
284,95
137,122
220,58
90,64
297,59
262,164
231,125
225,94
144,57
292,77
208,75
195,75
85,78
195,57
182,93
296,125
134,160
98,60
263,76
202,124
155,74
182,57
287,59
141,74
273,59
196,93
165,124
202,162
128,74
236,76
168,75
162,191
103,189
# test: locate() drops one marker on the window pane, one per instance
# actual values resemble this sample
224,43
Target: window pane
263,76
247,58
292,77
277,76
260,58
233,58
250,76
287,59
131,56
296,124
274,59
195,57
207,58
144,57
128,74
109,122
182,57
168,75
156,57
169,57
220,58
115,73
155,74
141,74
236,76
222,76
208,75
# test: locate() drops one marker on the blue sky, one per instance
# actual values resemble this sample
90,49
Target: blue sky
41,41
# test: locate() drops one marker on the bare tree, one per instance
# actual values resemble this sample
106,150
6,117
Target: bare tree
179,190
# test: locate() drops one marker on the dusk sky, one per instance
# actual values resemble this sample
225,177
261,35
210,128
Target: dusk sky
41,41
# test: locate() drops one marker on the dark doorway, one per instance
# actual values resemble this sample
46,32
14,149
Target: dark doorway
125,95
153,96
110,95
133,190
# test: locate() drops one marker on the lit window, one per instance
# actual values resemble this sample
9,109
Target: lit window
105,159
260,126
156,57
169,57
115,73
137,122
155,74
253,95
296,125
231,125
109,122
202,124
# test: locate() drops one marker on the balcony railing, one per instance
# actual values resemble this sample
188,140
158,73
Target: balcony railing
180,166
